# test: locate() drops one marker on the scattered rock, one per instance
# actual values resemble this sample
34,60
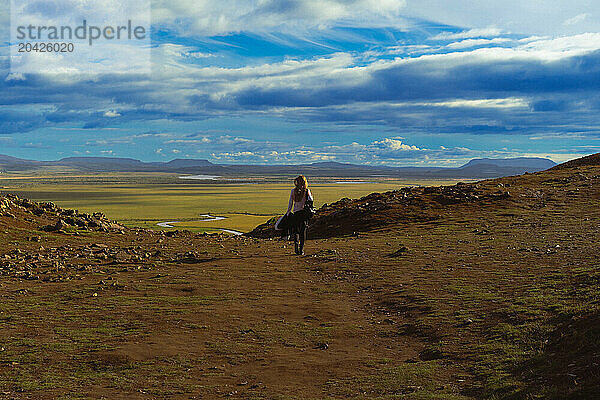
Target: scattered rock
399,252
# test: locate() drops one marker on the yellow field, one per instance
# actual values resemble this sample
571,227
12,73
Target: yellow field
143,204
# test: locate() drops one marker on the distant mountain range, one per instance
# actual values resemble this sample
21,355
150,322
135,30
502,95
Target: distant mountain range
476,168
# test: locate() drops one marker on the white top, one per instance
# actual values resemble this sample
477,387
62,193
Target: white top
298,205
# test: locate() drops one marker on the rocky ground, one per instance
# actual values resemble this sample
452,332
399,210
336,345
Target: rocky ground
484,290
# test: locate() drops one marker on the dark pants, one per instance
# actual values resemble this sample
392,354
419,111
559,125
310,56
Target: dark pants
300,235
298,223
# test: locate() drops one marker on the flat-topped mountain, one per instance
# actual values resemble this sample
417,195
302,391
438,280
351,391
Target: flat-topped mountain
519,162
186,163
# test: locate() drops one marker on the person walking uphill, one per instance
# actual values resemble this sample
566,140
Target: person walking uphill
301,202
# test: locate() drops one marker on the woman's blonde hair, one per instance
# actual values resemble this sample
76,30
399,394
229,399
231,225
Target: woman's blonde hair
299,193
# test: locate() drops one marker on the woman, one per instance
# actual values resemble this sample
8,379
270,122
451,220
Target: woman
298,197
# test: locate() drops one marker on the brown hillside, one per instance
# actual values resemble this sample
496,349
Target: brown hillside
474,291
591,160
420,204
406,205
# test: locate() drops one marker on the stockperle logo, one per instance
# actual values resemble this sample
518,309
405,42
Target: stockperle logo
80,36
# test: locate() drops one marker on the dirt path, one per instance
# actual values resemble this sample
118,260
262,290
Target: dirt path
245,318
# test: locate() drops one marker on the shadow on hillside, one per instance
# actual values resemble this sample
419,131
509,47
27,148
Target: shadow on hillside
569,365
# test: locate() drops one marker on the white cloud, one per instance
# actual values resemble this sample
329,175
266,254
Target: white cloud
187,141
576,19
469,34
463,44
111,114
543,50
152,135
394,145
226,139
511,102
15,77
529,39
563,47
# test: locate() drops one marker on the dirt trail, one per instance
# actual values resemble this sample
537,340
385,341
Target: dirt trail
248,318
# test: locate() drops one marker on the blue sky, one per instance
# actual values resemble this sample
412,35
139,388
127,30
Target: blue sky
390,82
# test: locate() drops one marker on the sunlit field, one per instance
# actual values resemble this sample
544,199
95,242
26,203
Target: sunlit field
145,201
